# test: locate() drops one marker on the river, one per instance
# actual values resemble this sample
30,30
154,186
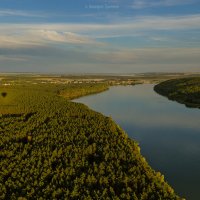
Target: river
168,132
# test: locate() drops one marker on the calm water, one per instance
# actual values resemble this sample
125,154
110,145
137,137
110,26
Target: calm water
168,132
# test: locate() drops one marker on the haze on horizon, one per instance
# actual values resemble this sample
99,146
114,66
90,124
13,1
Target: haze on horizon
99,36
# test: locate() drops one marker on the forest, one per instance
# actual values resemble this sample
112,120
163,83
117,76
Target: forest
185,91
52,148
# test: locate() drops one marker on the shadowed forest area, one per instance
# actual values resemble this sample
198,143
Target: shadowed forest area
185,91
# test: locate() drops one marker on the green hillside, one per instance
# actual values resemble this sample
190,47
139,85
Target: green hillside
185,91
51,148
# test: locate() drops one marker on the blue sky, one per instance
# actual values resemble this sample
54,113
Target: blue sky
99,36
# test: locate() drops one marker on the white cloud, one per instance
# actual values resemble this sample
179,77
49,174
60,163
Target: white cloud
12,58
16,35
67,37
118,56
20,13
140,4
52,59
31,37
58,44
148,56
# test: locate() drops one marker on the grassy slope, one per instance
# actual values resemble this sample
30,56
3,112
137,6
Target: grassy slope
185,91
55,149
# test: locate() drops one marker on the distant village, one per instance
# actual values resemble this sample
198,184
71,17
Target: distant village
19,79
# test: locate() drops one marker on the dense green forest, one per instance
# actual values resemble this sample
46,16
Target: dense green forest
51,148
186,91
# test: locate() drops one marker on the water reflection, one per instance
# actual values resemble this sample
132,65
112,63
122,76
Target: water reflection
168,132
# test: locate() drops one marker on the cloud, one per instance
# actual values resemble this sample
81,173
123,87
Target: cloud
122,59
115,57
20,13
140,4
16,35
78,47
24,36
12,58
67,37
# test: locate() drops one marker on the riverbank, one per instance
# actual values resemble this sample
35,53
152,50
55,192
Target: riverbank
167,132
185,91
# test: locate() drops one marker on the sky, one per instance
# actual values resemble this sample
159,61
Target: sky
99,36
